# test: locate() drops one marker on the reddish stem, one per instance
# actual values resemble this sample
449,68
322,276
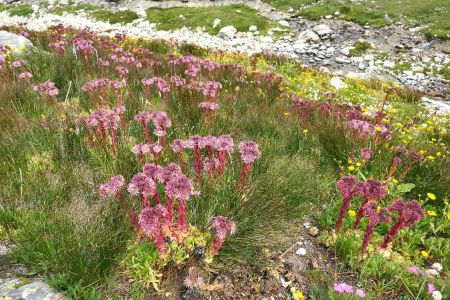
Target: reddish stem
342,211
394,230
147,134
169,205
360,214
182,214
198,163
367,236
144,201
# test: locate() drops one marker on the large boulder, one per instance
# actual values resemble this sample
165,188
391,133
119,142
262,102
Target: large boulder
14,41
227,32
322,30
308,36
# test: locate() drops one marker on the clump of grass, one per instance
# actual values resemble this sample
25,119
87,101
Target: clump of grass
360,48
21,10
287,4
98,13
402,66
237,15
113,17
433,14
73,9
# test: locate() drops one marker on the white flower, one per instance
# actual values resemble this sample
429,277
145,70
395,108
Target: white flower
436,295
437,267
432,272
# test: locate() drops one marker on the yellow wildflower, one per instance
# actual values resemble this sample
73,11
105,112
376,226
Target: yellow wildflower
305,131
350,161
299,295
351,168
448,216
351,213
424,253
286,114
431,213
431,196
394,180
438,153
358,164
430,157
422,152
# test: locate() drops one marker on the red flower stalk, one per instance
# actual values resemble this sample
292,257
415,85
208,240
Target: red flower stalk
152,222
223,226
179,187
197,143
101,116
409,213
119,110
414,157
375,216
111,124
348,187
144,117
84,120
371,190
395,163
224,146
178,147
249,151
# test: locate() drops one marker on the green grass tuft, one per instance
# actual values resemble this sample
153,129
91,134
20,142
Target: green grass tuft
237,15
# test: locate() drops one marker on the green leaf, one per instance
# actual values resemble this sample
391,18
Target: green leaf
404,188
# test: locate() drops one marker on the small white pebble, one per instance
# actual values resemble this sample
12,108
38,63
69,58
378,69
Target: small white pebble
301,251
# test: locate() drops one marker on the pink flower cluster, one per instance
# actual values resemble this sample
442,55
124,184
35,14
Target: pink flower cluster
223,145
47,88
223,226
156,220
161,85
59,46
372,191
409,213
250,152
161,123
211,89
99,122
342,288
113,187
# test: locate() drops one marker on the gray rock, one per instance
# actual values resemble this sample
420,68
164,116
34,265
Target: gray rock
227,32
216,22
283,23
346,51
36,290
322,30
341,60
388,64
14,41
7,285
308,36
338,83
